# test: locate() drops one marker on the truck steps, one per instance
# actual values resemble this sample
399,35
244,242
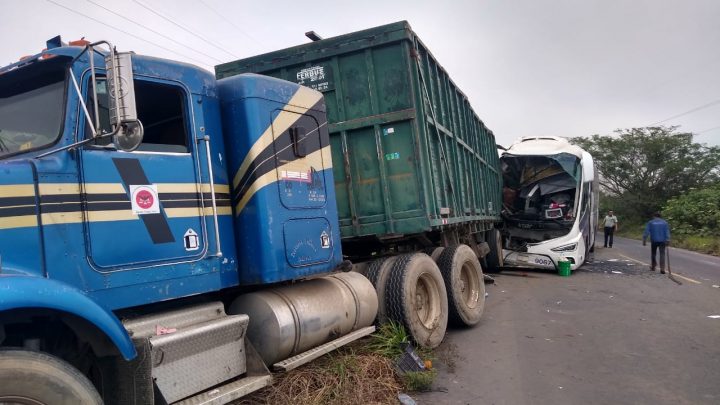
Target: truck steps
312,354
228,392
194,349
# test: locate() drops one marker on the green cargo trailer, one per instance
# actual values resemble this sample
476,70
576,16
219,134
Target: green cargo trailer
415,168
402,165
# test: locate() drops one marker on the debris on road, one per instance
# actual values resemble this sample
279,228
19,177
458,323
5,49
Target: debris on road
405,399
716,286
714,316
616,272
409,361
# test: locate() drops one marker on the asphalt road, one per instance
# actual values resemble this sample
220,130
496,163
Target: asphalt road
688,266
612,333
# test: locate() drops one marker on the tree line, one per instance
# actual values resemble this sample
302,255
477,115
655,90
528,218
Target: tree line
643,170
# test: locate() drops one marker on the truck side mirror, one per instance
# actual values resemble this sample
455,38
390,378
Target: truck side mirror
123,112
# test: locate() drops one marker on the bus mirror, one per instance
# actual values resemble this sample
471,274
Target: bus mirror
127,129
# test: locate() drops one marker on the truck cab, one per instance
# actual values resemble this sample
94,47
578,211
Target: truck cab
128,258
101,219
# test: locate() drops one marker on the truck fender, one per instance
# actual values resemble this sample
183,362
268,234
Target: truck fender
17,292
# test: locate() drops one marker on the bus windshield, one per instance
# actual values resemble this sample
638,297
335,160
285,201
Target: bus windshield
31,106
540,196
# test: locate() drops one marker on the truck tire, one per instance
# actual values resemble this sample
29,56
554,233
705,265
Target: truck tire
38,378
377,273
494,259
464,283
415,296
434,252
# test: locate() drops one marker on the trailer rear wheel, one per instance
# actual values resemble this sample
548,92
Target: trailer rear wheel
464,283
38,378
494,258
377,273
415,296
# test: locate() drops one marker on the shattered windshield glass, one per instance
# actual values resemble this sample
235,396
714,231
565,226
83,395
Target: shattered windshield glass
31,107
540,195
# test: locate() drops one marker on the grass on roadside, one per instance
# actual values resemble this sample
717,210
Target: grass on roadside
362,372
419,380
349,375
702,244
697,243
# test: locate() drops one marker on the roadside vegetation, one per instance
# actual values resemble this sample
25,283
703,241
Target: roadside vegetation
364,372
643,170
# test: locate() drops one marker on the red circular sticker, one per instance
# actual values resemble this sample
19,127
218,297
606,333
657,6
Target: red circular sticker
144,199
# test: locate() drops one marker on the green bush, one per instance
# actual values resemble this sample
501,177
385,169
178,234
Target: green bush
695,213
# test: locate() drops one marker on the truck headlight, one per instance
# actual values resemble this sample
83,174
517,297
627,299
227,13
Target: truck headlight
565,248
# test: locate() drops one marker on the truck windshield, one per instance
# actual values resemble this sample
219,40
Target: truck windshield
31,106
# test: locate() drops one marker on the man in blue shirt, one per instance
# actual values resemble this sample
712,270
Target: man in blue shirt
659,232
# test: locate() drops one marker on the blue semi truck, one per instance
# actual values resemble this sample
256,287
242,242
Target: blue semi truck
130,270
168,237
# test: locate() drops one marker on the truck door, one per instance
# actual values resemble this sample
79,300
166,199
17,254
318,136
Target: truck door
301,170
144,207
299,162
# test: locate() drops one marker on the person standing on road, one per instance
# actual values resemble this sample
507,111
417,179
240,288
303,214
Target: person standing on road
658,230
611,223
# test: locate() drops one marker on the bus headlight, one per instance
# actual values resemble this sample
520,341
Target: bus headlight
565,248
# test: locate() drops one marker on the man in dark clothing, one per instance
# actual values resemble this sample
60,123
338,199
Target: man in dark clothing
658,230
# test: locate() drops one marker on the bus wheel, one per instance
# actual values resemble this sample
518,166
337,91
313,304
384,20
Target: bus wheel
377,273
38,378
494,259
464,283
415,296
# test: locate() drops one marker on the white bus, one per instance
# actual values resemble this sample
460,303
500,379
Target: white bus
550,203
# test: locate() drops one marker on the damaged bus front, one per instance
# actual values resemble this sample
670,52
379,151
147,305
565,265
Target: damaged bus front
550,203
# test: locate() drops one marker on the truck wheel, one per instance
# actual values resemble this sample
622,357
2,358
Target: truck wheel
38,378
464,283
378,274
434,252
494,259
415,296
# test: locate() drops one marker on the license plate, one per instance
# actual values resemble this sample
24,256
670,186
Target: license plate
543,262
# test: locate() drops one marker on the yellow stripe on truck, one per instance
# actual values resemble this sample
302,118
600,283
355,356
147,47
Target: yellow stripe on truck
21,221
300,103
17,190
315,159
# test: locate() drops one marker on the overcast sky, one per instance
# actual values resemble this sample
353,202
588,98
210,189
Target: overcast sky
529,67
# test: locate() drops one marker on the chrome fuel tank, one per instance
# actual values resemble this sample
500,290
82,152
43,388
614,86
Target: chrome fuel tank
289,320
